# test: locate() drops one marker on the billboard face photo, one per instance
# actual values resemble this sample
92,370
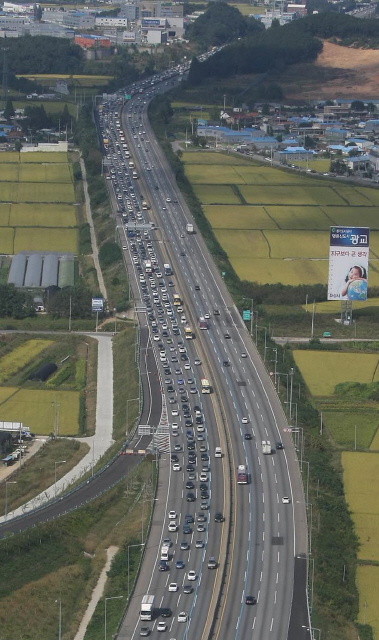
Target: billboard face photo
348,263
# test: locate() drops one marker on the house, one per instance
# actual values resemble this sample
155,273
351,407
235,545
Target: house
359,163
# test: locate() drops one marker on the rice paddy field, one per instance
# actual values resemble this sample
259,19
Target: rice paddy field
274,224
35,408
37,197
367,583
46,79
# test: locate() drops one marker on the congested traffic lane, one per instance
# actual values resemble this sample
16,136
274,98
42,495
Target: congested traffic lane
196,554
273,481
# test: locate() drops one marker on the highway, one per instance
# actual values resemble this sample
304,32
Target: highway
256,547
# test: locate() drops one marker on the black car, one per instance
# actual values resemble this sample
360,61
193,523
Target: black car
166,612
204,495
219,517
203,486
187,588
189,422
279,446
248,436
184,357
199,420
250,600
190,497
197,288
191,446
163,566
174,457
190,468
201,517
190,484
226,362
189,519
204,457
187,529
227,336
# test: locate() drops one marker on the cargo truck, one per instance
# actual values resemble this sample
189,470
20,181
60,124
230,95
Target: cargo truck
148,267
188,333
189,227
147,607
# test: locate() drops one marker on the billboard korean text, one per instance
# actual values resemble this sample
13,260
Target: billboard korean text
348,263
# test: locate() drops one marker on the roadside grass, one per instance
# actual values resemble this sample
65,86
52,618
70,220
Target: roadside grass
334,307
341,425
367,582
61,561
36,409
42,239
19,357
125,383
216,194
361,485
42,215
38,473
323,370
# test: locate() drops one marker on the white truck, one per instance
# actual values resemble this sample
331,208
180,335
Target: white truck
189,227
266,447
148,266
147,607
165,552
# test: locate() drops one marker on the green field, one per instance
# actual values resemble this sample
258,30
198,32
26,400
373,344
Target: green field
341,425
323,370
43,156
34,192
274,224
20,357
317,164
35,173
35,408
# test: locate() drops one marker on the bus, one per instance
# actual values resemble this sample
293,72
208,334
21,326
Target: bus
176,300
205,386
242,474
203,323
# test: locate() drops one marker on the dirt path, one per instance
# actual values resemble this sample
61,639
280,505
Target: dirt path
95,252
96,594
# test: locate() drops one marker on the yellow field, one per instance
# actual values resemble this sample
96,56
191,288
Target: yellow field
10,156
35,408
34,192
5,210
355,197
217,194
44,156
298,244
20,357
213,174
284,194
367,583
238,217
39,239
42,215
322,371
6,392
6,240
371,194
271,176
45,79
243,244
45,173
301,217
9,172
361,484
292,272
318,164
368,216
248,9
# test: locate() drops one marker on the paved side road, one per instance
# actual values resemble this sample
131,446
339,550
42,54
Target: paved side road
101,441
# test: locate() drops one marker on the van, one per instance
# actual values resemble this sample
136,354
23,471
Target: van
218,452
164,553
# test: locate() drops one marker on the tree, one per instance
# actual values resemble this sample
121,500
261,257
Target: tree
371,107
265,110
37,12
357,105
275,23
9,110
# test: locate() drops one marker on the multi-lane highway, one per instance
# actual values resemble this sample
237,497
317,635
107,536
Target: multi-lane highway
260,548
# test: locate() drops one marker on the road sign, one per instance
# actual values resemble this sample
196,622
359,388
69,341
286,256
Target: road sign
287,430
128,96
246,314
223,274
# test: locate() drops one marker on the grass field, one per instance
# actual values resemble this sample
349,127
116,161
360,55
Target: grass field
219,194
323,370
274,224
318,164
361,483
40,239
45,79
6,240
20,356
43,156
48,105
35,173
341,425
332,306
35,408
367,583
34,192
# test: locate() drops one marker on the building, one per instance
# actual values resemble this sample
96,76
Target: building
79,20
91,42
111,22
154,36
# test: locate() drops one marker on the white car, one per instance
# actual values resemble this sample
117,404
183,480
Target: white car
172,515
243,355
176,466
286,500
156,337
173,587
203,477
187,365
161,626
175,412
245,420
173,527
175,425
182,617
191,575
197,361
206,316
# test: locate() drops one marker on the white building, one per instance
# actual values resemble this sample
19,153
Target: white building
111,22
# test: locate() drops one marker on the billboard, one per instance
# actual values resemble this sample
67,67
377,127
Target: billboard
348,263
97,304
